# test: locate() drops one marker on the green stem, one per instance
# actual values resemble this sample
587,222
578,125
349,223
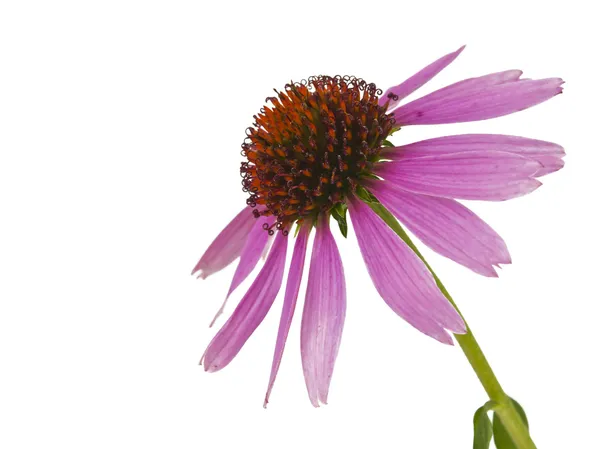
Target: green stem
504,407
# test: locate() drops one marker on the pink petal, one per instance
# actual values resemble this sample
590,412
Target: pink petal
267,247
475,99
470,86
401,278
397,93
549,165
250,312
227,246
471,175
289,304
479,83
255,246
324,313
546,153
447,227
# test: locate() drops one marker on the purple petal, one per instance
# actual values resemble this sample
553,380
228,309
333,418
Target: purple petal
447,227
475,99
472,175
549,165
250,312
289,304
252,251
255,246
267,247
397,93
401,278
324,313
469,86
477,83
227,246
546,153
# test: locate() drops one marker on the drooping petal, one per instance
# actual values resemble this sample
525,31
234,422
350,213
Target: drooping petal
323,315
227,246
253,250
289,303
256,243
267,247
447,227
250,312
546,153
401,278
398,93
473,100
472,175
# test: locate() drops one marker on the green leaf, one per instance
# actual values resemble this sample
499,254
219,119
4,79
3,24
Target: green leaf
394,129
387,143
482,427
343,228
338,212
366,196
502,439
369,176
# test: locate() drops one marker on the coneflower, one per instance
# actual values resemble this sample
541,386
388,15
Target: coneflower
320,148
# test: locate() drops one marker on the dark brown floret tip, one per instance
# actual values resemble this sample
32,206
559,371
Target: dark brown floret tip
311,146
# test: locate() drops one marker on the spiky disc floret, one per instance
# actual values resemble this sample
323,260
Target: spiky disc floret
309,149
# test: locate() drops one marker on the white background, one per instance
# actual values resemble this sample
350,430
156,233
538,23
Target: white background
120,130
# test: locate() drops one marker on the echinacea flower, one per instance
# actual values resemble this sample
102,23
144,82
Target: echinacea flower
320,149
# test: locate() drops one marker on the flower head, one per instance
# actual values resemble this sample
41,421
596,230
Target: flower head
309,150
320,149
